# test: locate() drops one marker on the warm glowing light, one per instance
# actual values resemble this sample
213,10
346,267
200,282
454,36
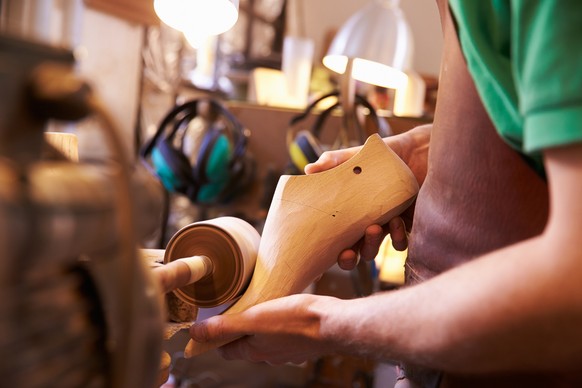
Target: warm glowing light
368,71
337,63
378,74
194,39
390,263
198,17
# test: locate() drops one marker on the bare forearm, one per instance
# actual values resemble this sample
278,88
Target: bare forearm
505,311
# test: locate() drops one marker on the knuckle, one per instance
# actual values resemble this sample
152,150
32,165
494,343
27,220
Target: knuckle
326,156
211,329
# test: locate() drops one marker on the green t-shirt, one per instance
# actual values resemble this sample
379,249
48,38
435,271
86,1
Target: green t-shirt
525,57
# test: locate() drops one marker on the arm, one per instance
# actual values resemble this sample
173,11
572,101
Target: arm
499,312
518,308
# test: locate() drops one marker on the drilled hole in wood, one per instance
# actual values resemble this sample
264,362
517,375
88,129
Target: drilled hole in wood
357,170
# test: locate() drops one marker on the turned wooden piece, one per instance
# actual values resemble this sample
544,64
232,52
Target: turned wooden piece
312,218
208,263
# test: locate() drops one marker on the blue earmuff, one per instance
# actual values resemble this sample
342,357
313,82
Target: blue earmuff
221,166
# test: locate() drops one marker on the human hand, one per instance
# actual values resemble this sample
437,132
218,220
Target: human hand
277,331
412,148
368,246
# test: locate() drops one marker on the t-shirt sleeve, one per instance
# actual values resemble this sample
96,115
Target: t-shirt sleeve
547,57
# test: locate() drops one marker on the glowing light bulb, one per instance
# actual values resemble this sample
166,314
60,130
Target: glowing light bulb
198,17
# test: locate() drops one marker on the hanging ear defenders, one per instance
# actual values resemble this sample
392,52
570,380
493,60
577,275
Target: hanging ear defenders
304,147
220,166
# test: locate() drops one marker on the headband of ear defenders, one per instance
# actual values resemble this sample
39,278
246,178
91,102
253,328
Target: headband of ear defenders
381,125
187,111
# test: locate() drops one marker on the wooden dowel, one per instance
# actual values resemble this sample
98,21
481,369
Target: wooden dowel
181,272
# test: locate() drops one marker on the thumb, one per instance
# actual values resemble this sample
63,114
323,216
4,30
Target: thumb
326,161
317,166
215,329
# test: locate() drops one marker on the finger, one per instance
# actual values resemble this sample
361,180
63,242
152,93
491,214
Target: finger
348,260
237,350
216,329
372,240
397,230
326,161
329,160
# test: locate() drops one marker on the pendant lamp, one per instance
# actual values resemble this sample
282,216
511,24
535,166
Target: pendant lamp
375,45
198,17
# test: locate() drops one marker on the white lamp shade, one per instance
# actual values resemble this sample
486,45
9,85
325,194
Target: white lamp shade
198,17
379,41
